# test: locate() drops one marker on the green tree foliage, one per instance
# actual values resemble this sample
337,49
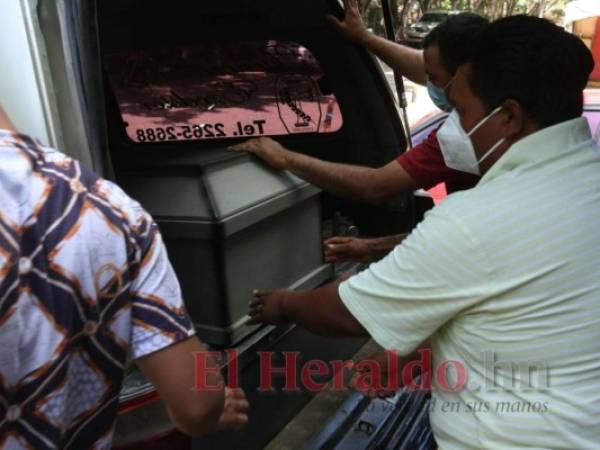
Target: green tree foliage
408,11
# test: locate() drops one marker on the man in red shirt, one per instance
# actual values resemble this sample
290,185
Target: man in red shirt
423,167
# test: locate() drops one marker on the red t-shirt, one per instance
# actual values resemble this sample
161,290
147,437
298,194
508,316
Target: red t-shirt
425,164
595,75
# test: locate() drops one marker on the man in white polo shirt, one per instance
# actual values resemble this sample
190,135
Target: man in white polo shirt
504,277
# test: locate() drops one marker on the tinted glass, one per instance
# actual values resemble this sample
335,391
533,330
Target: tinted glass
222,90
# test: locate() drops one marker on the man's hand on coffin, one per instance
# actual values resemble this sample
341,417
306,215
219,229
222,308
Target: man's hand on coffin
347,249
270,151
267,307
318,310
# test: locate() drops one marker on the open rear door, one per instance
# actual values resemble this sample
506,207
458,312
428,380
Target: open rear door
159,89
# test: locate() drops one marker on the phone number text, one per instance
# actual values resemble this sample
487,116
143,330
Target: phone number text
200,131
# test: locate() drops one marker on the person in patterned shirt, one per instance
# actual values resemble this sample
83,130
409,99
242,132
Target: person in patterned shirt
85,288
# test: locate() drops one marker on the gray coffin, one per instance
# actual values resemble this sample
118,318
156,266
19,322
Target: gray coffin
230,226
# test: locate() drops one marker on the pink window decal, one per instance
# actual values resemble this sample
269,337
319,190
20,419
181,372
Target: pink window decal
222,90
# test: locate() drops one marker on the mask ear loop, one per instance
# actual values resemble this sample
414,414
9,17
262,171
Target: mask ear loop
484,120
449,83
489,152
497,144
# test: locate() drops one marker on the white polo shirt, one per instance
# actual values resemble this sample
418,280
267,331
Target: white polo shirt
504,277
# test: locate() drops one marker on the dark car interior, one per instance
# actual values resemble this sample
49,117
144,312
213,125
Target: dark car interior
236,65
230,223
370,135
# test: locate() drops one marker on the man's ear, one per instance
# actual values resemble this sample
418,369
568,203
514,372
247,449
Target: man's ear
514,119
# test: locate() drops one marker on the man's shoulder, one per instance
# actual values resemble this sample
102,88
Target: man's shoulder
466,208
105,194
129,209
45,181
429,145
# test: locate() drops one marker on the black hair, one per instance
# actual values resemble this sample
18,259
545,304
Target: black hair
455,37
534,62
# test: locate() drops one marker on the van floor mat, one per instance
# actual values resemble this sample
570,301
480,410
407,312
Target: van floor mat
397,423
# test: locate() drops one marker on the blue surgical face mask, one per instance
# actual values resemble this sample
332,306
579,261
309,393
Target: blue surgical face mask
438,95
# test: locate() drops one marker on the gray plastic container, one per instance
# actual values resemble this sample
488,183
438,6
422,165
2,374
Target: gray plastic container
232,225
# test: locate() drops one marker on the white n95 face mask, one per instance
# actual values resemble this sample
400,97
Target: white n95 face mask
457,147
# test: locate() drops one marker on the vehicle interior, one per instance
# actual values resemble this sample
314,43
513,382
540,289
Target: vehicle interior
141,64
369,134
167,88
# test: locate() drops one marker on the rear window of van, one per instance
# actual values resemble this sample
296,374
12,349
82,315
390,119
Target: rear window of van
222,90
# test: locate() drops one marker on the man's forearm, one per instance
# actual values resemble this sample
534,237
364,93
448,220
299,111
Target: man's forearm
322,312
405,60
381,246
344,180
